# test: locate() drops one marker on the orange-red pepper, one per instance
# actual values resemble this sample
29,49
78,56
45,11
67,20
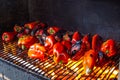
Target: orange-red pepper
87,41
37,51
60,54
96,42
76,37
8,36
26,41
109,48
52,30
89,61
31,25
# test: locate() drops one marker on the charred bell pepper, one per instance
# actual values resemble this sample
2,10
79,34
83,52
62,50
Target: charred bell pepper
87,41
31,25
89,61
76,37
26,41
109,47
60,54
40,26
37,51
8,36
49,41
77,51
52,30
96,42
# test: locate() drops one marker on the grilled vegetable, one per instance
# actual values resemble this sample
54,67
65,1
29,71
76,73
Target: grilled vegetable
40,26
52,30
50,41
101,58
87,41
18,29
76,37
31,25
96,42
77,51
26,41
60,54
37,51
109,48
8,36
89,61
67,44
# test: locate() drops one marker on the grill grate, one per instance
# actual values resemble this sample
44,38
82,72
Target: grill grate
10,53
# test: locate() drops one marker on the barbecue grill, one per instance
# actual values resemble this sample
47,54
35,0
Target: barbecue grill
86,16
11,54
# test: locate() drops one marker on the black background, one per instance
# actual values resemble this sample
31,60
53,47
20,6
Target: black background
86,16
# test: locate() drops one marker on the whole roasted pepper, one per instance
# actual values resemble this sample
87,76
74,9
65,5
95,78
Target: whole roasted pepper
109,48
87,41
37,51
18,28
8,36
26,41
77,51
67,44
31,25
50,41
76,37
89,61
52,30
96,42
40,26
60,54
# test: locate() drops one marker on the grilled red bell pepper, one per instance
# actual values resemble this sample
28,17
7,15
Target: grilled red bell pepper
78,51
109,48
87,41
52,30
37,51
31,25
96,42
89,61
76,37
18,29
26,41
60,54
67,44
50,41
8,36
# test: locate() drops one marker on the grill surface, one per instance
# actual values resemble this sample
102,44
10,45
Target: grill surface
9,52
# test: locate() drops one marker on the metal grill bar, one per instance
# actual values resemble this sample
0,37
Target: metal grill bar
10,53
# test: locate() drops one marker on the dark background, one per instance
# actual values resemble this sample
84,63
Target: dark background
86,16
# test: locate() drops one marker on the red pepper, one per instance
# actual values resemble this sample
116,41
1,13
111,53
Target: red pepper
87,40
37,51
26,41
31,25
96,42
8,36
76,37
60,54
50,41
67,44
18,28
52,30
109,48
89,61
77,53
67,36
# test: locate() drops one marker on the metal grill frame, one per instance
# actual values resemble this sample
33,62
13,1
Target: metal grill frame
39,68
